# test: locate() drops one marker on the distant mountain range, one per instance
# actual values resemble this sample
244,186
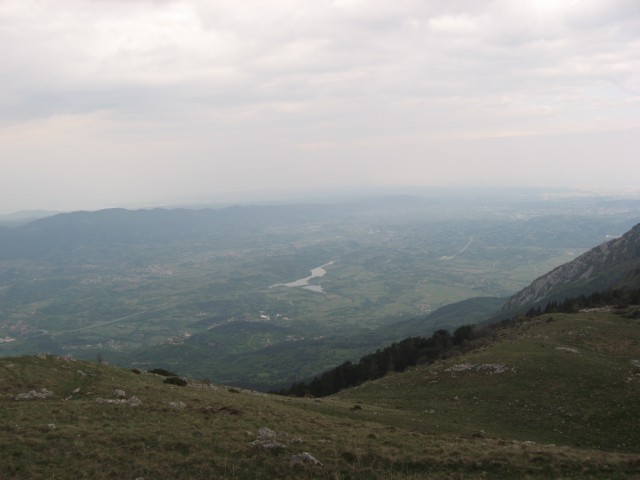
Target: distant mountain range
613,264
23,217
65,233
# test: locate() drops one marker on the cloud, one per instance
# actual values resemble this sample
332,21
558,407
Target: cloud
290,83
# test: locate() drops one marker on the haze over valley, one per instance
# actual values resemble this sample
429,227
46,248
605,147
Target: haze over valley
262,296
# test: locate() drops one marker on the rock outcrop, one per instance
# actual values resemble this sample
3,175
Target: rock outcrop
38,394
614,264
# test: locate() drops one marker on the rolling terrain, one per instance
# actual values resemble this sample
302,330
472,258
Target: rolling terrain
204,292
549,397
546,396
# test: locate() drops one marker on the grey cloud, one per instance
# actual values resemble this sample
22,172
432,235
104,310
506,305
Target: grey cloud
307,81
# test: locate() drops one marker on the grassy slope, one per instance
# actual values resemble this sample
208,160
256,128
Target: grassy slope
580,402
570,381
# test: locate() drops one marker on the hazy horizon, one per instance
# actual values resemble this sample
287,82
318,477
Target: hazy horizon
112,103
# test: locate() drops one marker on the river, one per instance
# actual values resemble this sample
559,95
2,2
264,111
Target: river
304,282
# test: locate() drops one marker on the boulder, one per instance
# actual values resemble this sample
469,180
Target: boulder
134,402
305,458
267,438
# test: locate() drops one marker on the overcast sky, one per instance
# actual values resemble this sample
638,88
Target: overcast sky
126,102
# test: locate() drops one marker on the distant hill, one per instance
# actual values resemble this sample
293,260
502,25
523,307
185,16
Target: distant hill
67,232
466,312
614,264
23,217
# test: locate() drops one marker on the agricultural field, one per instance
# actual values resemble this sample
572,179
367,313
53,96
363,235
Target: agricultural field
204,292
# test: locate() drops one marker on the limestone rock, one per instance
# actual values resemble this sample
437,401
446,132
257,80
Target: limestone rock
41,394
134,402
305,458
269,439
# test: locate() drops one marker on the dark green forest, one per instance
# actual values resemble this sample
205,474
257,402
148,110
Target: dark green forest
397,357
412,351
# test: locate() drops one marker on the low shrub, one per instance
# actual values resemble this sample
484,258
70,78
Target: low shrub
163,372
181,382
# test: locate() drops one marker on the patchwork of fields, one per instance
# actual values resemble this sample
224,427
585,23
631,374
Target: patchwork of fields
190,289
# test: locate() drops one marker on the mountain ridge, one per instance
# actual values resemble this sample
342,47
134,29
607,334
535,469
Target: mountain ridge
610,265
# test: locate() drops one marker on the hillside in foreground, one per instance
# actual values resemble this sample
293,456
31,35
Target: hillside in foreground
551,397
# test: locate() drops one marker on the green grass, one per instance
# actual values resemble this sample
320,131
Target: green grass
560,414
569,381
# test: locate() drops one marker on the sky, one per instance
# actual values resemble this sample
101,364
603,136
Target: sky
138,102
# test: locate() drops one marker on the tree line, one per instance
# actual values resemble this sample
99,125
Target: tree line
424,350
395,358
621,297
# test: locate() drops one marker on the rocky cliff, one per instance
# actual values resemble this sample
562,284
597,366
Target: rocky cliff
614,264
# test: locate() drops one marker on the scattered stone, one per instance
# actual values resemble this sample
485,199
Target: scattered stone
10,365
108,400
265,432
81,373
134,402
492,368
460,368
305,458
119,393
268,444
76,390
177,405
51,426
267,438
429,412
43,393
568,349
